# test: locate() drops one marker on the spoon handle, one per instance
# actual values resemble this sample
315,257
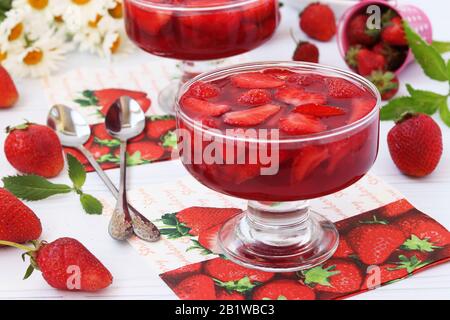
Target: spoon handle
154,233
122,198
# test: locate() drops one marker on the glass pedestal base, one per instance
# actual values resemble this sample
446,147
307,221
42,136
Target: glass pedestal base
279,237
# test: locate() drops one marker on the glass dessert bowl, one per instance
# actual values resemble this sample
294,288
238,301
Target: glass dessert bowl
198,31
278,134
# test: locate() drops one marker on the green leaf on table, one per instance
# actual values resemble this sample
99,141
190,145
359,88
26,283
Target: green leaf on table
5,5
427,56
394,109
444,112
91,204
427,101
32,187
441,46
77,173
420,101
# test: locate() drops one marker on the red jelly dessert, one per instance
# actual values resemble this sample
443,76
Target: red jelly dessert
322,130
200,29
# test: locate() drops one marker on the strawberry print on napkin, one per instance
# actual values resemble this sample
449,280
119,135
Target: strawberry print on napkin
154,144
376,248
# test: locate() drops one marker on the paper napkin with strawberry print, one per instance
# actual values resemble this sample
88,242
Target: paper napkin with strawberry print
384,238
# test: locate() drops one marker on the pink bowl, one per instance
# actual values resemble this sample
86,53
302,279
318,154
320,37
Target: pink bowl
417,19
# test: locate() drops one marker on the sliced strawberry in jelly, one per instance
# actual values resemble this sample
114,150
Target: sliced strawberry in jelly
298,124
319,110
205,108
341,88
254,97
256,80
360,108
151,21
282,74
308,159
304,79
251,117
298,97
203,90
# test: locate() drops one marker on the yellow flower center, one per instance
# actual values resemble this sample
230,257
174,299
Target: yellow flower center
33,57
59,19
116,45
16,32
94,24
38,4
3,56
116,12
81,2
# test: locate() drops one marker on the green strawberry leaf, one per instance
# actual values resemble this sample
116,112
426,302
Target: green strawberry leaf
77,172
242,286
33,188
90,204
170,219
160,117
170,140
441,46
319,275
136,159
409,264
415,243
84,102
280,297
426,55
197,246
29,272
114,143
176,229
108,158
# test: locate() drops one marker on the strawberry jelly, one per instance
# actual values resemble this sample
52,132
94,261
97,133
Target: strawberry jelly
200,29
327,122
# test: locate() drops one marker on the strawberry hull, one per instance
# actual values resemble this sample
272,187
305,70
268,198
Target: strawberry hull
200,33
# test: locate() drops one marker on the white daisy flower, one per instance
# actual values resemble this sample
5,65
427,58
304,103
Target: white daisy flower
12,29
42,9
88,39
115,9
80,12
115,43
41,58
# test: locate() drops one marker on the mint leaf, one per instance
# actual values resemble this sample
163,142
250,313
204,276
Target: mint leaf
77,173
32,187
427,101
441,46
83,102
444,112
90,204
394,109
428,58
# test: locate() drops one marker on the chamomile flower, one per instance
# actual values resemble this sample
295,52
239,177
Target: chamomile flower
43,10
115,43
12,29
80,12
88,39
40,58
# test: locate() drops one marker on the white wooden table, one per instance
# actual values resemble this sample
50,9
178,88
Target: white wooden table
133,278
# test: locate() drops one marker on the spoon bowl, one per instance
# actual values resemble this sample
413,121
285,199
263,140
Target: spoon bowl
125,119
69,125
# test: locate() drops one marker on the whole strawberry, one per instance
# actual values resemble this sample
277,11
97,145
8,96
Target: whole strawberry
375,241
424,228
283,289
318,22
386,83
34,149
359,33
306,51
66,265
365,61
18,223
8,90
415,144
335,275
393,32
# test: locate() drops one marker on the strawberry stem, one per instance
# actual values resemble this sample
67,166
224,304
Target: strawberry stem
16,245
